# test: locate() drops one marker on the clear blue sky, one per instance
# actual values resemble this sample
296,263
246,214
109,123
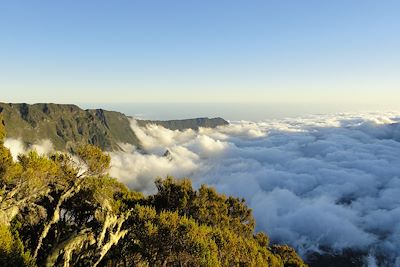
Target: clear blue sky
200,51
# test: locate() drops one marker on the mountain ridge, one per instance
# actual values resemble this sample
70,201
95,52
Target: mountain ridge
67,125
194,124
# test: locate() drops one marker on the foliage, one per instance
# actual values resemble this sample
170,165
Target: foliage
2,129
57,211
5,155
95,160
206,206
12,249
288,255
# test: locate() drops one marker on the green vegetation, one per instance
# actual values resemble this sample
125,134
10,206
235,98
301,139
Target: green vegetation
63,211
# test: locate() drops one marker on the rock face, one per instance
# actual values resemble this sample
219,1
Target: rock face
68,125
194,124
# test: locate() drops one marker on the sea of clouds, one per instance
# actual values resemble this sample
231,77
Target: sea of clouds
324,180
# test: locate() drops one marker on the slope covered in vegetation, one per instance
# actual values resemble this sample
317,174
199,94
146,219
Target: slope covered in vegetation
68,125
67,211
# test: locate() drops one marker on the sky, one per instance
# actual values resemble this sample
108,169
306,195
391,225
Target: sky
301,52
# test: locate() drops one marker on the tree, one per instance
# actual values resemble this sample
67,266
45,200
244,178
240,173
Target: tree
173,195
93,164
288,256
95,161
168,239
205,205
25,182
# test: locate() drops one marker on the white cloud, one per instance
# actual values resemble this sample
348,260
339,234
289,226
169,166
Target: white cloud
43,147
318,180
16,147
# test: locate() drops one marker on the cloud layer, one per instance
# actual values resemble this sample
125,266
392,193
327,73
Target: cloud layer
316,181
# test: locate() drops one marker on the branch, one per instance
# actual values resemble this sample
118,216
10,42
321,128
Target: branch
110,223
75,241
56,214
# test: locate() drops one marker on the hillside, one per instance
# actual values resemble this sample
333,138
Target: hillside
68,125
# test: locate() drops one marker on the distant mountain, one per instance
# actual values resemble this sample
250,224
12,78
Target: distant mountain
68,125
194,124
